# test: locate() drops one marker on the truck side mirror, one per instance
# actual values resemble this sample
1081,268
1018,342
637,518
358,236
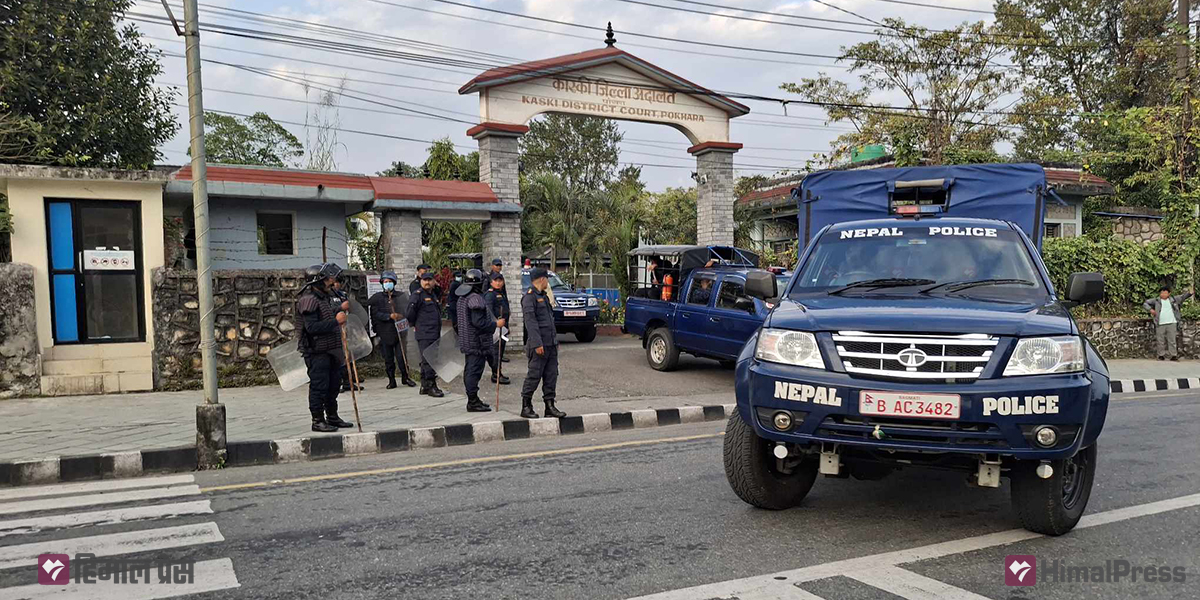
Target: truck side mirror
761,284
745,304
1083,288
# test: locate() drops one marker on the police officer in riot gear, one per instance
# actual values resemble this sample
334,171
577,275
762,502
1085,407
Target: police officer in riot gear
320,343
475,327
541,347
385,312
341,302
424,313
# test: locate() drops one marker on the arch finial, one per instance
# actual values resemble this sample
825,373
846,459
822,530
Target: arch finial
610,40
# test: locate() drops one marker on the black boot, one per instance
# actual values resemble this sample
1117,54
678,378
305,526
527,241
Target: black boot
337,421
319,425
552,411
406,380
475,405
504,359
434,391
503,379
527,409
391,381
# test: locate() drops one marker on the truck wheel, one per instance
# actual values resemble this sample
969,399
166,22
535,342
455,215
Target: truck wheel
661,351
750,467
1053,506
586,335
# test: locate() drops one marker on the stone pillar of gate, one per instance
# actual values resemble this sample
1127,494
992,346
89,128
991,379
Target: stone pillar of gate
498,153
402,244
714,192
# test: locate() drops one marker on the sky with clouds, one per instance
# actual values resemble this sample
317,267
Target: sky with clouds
772,140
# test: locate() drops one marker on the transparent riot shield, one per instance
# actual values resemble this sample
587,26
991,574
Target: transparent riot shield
359,311
356,336
445,357
288,365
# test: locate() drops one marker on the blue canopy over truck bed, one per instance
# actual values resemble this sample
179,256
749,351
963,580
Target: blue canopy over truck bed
1010,192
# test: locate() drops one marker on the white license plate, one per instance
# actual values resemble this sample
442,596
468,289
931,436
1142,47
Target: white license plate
921,406
575,313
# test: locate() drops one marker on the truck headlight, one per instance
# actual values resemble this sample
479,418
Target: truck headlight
789,347
592,301
1043,355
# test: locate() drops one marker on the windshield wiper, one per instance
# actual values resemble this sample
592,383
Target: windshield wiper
880,283
954,286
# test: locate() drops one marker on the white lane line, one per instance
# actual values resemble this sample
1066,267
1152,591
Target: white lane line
40,504
867,564
92,487
128,542
912,586
209,576
104,517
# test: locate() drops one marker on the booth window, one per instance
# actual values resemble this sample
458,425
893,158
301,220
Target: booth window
1053,230
276,233
919,193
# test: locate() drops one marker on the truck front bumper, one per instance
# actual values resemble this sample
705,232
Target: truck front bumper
831,415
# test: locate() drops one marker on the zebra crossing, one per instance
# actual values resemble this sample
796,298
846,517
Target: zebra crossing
112,520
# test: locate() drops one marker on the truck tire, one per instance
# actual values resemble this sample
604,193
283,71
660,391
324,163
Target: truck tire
661,352
750,469
586,335
1053,506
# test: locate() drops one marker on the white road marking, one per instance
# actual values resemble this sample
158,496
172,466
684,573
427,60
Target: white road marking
40,504
209,575
128,542
93,487
104,517
912,586
764,585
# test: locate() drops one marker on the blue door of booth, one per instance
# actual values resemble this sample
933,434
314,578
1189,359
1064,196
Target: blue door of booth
96,292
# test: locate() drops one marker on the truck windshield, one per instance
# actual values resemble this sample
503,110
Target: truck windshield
553,279
977,261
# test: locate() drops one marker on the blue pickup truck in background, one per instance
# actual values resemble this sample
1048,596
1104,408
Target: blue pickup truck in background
707,310
921,329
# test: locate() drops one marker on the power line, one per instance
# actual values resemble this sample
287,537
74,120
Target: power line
940,7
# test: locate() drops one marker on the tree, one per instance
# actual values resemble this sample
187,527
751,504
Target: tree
582,150
672,218
948,80
87,84
443,238
402,169
254,140
748,183
321,127
556,217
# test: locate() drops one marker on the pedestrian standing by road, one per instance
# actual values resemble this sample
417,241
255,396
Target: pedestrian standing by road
497,302
425,315
1165,311
497,298
541,347
320,341
475,327
385,312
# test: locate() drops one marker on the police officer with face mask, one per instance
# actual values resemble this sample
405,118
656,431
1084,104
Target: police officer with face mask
385,311
320,343
475,327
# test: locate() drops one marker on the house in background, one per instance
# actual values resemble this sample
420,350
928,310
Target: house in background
774,213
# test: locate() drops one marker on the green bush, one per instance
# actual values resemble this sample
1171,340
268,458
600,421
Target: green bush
611,313
1132,272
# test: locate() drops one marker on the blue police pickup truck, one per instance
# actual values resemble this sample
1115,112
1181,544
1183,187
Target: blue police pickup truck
574,312
921,329
694,300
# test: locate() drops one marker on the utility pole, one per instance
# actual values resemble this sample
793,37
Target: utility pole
210,416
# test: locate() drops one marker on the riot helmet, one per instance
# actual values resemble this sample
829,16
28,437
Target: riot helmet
472,282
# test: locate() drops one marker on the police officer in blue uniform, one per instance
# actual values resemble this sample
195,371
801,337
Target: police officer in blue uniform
475,327
496,299
541,347
385,311
321,343
424,314
341,302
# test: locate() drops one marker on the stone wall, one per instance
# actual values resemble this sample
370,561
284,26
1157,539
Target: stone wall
19,368
255,311
1134,338
714,197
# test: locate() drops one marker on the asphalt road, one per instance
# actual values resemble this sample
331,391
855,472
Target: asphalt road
641,512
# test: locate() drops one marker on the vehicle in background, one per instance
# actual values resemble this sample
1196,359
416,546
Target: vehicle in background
915,335
708,310
782,277
574,312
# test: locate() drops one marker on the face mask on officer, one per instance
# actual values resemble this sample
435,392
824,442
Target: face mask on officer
389,286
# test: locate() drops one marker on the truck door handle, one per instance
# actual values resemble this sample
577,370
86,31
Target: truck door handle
715,319
685,315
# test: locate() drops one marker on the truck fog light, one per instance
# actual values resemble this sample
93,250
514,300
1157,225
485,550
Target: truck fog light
783,421
781,451
1045,436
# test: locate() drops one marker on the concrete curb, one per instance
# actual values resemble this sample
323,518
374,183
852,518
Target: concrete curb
132,464
1125,386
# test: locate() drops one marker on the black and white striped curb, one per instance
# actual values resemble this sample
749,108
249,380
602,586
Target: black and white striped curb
1125,386
183,458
